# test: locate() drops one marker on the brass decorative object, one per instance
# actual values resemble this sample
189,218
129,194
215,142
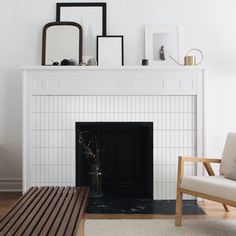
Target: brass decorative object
190,60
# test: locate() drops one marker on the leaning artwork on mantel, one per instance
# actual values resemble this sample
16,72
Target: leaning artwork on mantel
110,50
92,18
161,42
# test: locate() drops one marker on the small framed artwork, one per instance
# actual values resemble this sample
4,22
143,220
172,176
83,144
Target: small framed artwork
91,16
161,42
110,50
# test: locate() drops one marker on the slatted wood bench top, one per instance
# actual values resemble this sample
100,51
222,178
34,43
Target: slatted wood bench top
47,211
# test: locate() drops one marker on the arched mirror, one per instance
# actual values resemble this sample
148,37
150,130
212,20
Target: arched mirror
62,40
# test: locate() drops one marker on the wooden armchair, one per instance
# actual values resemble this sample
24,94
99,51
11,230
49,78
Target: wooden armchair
215,188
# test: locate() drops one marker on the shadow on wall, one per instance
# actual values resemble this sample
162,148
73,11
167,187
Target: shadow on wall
10,122
2,107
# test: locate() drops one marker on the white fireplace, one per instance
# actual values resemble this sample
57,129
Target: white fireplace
54,98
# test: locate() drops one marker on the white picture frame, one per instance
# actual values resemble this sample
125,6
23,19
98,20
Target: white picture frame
158,36
110,50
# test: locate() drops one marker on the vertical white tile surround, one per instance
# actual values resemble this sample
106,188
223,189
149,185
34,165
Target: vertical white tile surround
53,133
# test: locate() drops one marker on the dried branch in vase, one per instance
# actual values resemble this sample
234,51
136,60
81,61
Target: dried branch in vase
92,149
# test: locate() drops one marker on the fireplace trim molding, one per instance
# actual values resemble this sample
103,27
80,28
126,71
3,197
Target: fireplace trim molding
102,81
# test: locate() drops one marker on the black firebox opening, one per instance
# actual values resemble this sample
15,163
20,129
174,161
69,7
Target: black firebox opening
127,163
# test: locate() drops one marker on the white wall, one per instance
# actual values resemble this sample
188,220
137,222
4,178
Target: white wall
206,24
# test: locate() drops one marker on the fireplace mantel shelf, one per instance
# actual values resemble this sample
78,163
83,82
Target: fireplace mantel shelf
121,68
128,80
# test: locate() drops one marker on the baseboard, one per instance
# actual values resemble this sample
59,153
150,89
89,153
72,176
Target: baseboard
10,185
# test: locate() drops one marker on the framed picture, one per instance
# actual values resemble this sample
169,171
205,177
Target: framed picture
110,50
92,18
160,43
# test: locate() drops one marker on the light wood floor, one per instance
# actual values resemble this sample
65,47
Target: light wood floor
213,211
7,200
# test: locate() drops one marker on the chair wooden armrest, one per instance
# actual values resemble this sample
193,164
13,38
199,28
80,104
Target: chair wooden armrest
200,159
206,162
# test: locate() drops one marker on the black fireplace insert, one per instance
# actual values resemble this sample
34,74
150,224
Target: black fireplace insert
127,161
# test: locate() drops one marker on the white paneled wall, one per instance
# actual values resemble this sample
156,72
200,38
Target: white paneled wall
53,133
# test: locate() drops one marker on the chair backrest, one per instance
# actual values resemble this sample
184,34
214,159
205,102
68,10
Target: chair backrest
229,153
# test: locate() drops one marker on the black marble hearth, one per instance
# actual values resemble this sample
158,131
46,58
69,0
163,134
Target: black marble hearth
141,206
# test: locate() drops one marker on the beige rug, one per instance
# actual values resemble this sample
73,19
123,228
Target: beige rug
159,227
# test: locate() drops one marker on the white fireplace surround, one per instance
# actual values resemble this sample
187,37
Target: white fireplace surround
54,98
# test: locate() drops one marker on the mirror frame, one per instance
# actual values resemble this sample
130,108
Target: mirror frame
66,23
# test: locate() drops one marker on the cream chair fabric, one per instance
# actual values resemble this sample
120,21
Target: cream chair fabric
229,154
231,174
216,186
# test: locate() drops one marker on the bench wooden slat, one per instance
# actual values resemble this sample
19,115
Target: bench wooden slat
47,215
75,213
61,213
73,227
19,218
80,224
6,218
67,216
51,217
56,211
18,214
36,214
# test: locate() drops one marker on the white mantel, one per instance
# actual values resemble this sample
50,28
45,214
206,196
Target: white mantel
168,80
165,95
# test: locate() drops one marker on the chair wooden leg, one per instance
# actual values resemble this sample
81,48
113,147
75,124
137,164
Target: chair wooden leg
226,207
178,212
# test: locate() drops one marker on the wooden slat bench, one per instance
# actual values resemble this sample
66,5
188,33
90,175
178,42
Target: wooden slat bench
47,211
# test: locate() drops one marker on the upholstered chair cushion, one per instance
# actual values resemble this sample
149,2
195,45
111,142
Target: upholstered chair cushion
231,173
216,186
229,154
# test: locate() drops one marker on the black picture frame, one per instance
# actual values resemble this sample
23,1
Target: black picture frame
103,5
92,25
111,36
